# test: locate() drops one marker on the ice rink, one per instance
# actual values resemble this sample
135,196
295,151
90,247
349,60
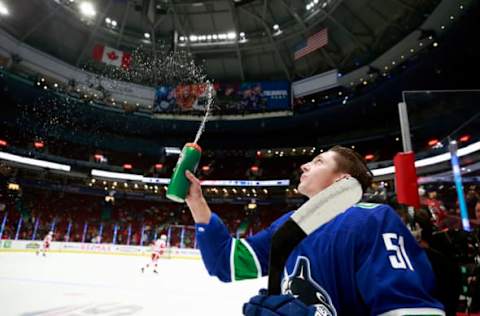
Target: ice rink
89,284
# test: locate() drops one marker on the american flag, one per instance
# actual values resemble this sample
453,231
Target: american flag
316,41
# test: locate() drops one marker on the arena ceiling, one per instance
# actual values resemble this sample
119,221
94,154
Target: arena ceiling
235,40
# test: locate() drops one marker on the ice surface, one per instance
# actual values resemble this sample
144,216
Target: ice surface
89,284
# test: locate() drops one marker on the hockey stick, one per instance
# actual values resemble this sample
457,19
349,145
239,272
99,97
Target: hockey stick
316,212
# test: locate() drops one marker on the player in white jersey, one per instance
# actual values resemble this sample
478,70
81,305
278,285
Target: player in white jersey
158,247
46,244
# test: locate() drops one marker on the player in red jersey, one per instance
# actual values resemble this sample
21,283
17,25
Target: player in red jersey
158,247
46,244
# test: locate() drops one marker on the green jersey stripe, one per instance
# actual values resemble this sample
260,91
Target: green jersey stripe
244,263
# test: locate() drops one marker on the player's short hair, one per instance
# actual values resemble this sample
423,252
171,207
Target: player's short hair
349,161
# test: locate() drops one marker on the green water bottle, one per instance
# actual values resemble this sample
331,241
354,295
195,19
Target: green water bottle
188,160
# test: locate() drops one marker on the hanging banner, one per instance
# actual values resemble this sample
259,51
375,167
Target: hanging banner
233,97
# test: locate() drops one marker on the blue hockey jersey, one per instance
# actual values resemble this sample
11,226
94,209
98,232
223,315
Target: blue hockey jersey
363,262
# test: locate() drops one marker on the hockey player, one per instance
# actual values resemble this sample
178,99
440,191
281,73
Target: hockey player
46,244
158,247
362,262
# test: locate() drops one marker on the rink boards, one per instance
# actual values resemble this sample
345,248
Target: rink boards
88,248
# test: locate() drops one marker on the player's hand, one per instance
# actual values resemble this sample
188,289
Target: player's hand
196,202
277,305
195,190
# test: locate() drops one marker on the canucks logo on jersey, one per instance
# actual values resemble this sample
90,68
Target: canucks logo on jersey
301,285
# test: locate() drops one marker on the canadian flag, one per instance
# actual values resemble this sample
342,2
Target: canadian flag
112,56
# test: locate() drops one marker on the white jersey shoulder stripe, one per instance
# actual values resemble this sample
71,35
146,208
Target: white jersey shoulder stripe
232,264
367,205
414,311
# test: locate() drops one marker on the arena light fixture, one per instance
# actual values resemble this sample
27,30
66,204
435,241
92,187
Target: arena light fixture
34,162
199,38
87,9
277,30
369,157
13,186
432,142
3,9
172,150
146,35
100,158
39,144
111,22
464,138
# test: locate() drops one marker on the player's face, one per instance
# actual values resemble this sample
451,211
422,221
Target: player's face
318,174
186,91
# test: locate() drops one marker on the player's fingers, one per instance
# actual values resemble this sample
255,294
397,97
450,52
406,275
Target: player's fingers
192,178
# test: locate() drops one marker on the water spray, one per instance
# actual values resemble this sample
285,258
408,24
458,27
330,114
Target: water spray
189,158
